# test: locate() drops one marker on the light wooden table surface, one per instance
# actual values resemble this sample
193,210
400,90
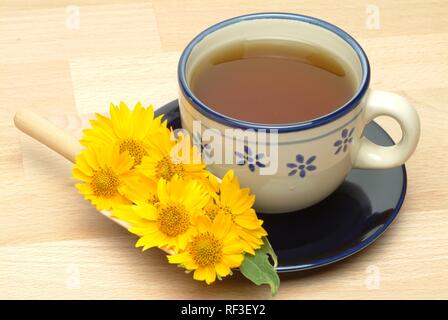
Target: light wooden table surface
68,61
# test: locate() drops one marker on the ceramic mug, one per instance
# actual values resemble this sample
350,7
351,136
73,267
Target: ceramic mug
315,156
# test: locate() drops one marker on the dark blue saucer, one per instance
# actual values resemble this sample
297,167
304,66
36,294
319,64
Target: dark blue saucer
350,219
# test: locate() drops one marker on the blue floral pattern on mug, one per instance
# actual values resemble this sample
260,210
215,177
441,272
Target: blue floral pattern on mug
250,159
301,166
346,139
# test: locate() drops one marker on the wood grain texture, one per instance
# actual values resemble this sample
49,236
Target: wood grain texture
54,245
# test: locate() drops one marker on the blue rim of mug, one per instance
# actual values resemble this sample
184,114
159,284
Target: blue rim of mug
290,127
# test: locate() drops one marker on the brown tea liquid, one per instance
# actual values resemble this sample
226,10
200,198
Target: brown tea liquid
272,81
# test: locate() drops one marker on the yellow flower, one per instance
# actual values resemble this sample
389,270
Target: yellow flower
169,157
142,190
237,202
213,251
169,222
131,131
105,172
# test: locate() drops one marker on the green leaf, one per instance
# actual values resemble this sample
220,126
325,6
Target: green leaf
258,269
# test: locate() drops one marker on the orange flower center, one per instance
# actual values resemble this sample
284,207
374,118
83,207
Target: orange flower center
104,183
135,148
165,168
206,250
212,210
152,198
173,219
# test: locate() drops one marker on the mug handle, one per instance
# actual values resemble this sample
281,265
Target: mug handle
373,156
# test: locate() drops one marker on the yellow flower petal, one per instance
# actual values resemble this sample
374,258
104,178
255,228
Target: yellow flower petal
248,221
82,165
78,174
162,192
232,248
233,261
146,211
222,269
200,274
210,275
89,156
179,258
221,225
148,241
